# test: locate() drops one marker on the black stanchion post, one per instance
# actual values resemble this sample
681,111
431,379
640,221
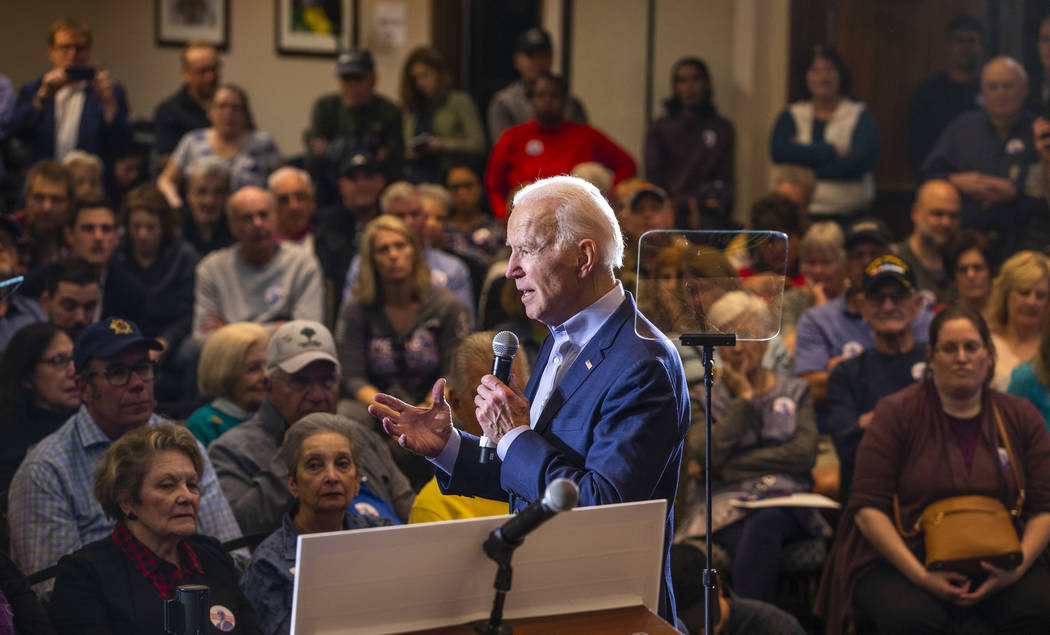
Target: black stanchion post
707,342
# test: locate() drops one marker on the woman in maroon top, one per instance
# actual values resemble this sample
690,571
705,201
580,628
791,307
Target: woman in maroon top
936,439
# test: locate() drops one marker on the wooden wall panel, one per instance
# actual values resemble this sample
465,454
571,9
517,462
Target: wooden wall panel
890,47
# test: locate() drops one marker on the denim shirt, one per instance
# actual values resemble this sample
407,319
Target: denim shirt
270,577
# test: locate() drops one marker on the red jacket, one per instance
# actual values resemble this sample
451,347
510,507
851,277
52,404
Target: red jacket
529,151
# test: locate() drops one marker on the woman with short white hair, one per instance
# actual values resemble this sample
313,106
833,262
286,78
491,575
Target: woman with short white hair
764,443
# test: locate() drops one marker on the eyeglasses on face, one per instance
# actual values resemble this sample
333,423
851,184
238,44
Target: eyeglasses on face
58,361
118,374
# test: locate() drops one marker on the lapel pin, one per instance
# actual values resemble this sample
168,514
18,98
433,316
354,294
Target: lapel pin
588,364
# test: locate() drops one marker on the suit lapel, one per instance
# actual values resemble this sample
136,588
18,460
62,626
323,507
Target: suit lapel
585,364
541,363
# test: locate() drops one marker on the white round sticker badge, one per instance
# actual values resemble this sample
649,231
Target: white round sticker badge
222,618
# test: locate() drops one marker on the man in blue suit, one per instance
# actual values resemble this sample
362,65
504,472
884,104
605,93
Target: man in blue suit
59,113
604,407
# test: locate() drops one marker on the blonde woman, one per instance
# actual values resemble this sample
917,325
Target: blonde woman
232,372
1015,312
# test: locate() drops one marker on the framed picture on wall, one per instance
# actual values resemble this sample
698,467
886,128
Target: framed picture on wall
178,22
315,27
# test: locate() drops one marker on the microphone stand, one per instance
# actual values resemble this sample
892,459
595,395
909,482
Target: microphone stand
708,342
500,550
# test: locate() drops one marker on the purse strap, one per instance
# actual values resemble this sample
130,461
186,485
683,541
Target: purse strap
897,519
1016,511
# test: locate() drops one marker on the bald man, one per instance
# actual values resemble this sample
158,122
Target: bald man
257,279
989,155
935,219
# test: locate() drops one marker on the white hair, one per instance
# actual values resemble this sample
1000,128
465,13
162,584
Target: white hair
596,174
822,238
727,311
580,212
436,193
78,158
286,171
396,192
208,167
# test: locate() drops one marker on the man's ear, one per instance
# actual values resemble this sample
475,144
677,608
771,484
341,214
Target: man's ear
84,389
587,257
45,300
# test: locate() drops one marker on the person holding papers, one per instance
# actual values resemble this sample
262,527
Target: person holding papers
604,407
763,444
324,480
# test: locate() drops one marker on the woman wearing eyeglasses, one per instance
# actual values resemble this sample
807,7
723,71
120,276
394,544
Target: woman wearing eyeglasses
936,439
37,391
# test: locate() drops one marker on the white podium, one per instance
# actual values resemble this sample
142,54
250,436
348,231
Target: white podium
416,577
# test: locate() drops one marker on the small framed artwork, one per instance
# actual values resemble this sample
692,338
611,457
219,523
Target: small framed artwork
179,22
315,27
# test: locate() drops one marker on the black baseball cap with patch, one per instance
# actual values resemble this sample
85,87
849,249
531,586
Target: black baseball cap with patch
107,338
535,40
354,63
888,267
358,162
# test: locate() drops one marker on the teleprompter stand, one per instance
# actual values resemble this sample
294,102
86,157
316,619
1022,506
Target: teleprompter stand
707,343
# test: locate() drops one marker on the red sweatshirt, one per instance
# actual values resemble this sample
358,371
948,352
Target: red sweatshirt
529,151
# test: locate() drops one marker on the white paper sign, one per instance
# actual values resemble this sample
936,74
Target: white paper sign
389,24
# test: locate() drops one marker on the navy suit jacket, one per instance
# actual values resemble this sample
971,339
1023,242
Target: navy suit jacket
614,425
36,128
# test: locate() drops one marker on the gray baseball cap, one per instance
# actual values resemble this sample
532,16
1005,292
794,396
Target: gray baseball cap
298,343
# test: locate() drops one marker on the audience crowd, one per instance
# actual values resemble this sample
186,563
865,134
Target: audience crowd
203,320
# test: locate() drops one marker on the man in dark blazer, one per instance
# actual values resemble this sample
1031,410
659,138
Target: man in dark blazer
604,407
82,108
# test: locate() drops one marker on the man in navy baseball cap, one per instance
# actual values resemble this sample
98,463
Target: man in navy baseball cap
51,508
107,338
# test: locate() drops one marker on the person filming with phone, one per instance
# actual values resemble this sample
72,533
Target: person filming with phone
74,105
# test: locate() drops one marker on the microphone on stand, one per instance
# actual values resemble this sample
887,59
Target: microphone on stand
561,495
504,347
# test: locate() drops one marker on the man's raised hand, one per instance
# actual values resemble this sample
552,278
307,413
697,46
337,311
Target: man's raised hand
422,431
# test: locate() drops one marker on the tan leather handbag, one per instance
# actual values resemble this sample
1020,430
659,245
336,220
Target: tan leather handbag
963,531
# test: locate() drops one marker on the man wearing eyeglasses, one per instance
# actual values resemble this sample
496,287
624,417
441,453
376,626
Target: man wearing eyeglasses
836,330
303,378
52,510
890,305
185,110
74,105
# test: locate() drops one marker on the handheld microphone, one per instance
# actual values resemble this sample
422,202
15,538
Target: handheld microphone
504,347
561,495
